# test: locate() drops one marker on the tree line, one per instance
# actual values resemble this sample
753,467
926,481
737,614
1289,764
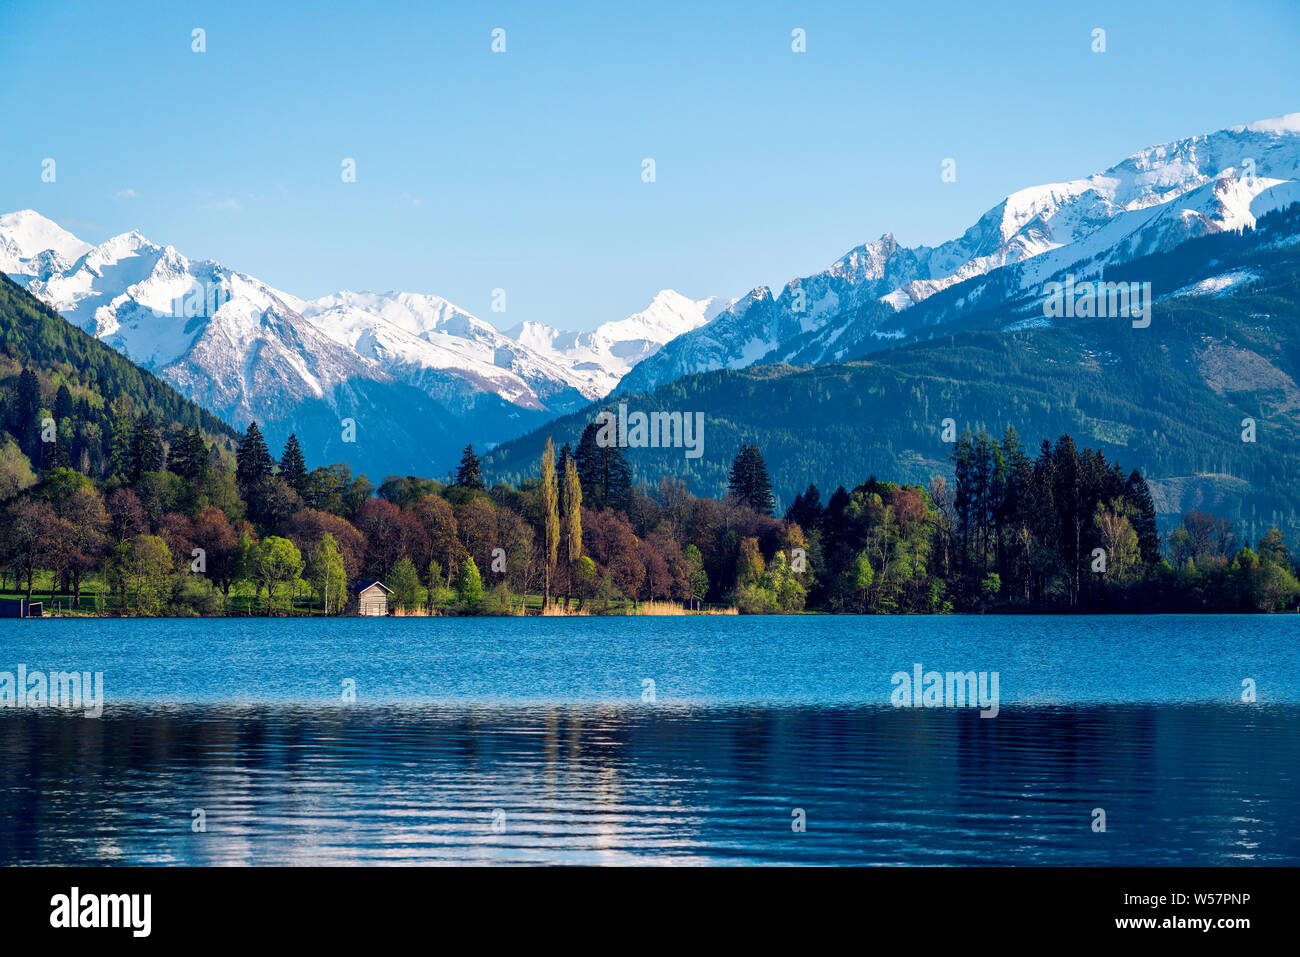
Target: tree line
170,527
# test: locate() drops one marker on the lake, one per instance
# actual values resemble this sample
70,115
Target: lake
688,740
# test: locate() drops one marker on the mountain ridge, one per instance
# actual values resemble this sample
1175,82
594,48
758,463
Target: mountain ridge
1232,176
1176,399
414,364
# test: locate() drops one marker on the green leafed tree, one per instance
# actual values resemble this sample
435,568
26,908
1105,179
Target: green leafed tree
550,518
404,580
697,579
860,578
749,563
276,563
141,571
572,502
327,574
469,587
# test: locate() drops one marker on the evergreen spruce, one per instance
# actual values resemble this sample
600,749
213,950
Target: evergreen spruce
749,480
806,510
146,448
293,467
189,456
469,474
28,408
62,404
603,472
1138,495
587,459
119,455
253,460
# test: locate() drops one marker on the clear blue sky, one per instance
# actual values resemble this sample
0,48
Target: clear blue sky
523,170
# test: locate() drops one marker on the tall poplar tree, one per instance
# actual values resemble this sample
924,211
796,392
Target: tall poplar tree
572,521
550,518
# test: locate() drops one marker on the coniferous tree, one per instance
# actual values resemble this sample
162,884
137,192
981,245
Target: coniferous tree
469,474
119,455
27,408
615,477
806,510
1072,510
749,481
146,448
603,472
293,467
253,460
587,459
1138,495
189,456
833,518
62,404
55,454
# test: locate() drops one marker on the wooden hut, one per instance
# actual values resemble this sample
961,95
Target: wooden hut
371,598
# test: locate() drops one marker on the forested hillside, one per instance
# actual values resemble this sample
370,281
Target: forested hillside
66,399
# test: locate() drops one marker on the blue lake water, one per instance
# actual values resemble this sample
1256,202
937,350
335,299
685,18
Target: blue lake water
541,741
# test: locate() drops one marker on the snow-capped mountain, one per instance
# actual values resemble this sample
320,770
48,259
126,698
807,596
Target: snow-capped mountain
30,244
427,375
251,352
1152,201
431,343
420,376
597,360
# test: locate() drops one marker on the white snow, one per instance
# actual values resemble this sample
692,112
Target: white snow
26,233
597,360
259,348
1216,285
1149,202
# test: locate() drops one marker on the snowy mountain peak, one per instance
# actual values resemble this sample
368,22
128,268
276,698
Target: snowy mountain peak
1289,123
597,360
417,314
1156,198
26,234
246,350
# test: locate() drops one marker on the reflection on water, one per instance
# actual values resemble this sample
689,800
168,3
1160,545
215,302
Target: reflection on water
606,784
